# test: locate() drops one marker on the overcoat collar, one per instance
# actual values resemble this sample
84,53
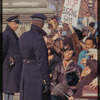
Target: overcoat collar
12,32
39,30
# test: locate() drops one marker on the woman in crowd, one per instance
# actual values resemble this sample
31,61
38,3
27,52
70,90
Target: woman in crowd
92,75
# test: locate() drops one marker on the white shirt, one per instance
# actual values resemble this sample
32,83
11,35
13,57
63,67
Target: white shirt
90,19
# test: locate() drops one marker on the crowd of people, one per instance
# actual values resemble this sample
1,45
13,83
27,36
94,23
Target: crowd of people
52,66
72,49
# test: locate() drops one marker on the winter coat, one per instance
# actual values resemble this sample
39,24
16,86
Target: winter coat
88,79
76,45
59,74
11,79
35,72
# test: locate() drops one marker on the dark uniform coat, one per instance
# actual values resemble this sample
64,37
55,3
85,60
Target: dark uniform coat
11,80
35,64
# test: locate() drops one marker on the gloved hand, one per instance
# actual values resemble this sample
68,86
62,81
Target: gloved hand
46,88
46,92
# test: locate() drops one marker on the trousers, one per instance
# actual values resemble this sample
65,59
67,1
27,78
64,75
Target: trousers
9,96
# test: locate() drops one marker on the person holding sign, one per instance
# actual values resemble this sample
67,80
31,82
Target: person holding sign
77,44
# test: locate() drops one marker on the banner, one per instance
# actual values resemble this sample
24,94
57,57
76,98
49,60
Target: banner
70,12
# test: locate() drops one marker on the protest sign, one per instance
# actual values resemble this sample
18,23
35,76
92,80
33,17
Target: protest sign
70,12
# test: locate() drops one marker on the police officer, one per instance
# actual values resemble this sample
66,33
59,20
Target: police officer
35,79
12,59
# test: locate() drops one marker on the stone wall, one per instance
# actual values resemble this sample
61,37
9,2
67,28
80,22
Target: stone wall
24,3
25,8
23,27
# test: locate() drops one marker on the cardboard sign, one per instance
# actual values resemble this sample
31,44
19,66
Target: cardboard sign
70,12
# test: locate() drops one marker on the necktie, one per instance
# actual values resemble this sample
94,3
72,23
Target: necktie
87,22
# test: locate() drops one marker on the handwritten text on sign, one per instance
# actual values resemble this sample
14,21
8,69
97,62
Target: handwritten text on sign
70,11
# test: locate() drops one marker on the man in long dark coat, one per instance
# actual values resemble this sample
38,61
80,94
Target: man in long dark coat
35,79
12,59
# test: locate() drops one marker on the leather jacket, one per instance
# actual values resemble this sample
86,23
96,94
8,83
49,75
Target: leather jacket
59,74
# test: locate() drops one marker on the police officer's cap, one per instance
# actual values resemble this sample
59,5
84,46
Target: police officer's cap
14,19
39,16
